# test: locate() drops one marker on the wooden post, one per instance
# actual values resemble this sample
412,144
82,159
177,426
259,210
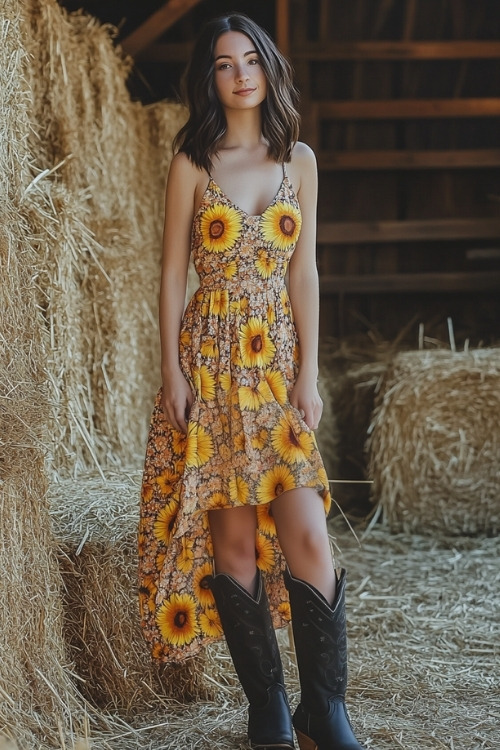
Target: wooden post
283,26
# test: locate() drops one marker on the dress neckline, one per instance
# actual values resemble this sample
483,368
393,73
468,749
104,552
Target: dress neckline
241,210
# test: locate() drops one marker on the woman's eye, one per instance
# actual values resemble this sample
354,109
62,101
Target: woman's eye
254,61
223,66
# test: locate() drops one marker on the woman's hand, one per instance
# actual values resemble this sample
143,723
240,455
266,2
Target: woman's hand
176,400
306,399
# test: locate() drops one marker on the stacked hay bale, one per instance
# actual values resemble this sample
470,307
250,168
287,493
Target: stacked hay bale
98,219
81,195
95,522
435,442
350,375
33,682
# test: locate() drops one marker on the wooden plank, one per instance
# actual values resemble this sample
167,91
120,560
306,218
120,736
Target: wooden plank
349,233
402,159
388,109
402,50
165,53
408,282
283,26
156,25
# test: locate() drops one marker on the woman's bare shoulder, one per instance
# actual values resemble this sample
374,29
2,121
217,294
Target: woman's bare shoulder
302,167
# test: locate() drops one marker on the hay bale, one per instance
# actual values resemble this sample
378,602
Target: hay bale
435,442
95,523
97,214
33,682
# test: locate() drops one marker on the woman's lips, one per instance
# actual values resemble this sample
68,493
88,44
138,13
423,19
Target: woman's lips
244,92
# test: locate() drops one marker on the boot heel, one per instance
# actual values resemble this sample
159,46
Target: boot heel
305,742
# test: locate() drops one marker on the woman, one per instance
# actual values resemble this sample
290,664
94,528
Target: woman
234,490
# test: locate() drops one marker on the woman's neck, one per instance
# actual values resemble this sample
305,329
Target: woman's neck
244,129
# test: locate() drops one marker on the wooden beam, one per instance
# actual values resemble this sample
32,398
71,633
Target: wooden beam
388,109
387,50
409,282
422,159
156,25
425,230
162,52
283,26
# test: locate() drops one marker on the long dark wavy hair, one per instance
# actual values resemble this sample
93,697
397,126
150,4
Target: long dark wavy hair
201,135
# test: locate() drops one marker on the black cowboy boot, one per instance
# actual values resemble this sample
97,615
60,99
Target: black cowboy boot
252,643
319,630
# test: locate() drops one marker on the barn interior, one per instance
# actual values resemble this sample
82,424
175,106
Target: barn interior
399,99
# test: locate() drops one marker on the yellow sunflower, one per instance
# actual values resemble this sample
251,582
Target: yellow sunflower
238,490
210,623
217,500
147,593
199,446
146,492
160,560
276,383
220,227
225,381
265,264
176,619
185,338
209,349
327,502
265,519
281,225
158,650
178,442
186,556
204,382
260,440
230,269
166,482
141,543
264,552
274,482
285,301
271,314
285,611
165,522
201,585
256,347
293,447
252,398
235,355
219,303
239,442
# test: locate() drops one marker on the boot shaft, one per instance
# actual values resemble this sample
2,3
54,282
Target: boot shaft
250,635
319,631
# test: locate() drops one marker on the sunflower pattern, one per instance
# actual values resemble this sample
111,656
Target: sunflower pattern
245,444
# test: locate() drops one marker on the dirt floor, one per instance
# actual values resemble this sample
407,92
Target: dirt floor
424,636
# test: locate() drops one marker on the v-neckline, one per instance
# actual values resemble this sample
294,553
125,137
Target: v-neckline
241,210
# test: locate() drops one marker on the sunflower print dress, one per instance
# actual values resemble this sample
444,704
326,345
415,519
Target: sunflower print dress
246,444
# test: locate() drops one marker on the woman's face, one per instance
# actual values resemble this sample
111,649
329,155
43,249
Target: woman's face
240,82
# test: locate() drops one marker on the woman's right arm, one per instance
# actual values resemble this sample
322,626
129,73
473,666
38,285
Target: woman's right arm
179,206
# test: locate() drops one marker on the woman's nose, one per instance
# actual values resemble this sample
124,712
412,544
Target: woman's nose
241,73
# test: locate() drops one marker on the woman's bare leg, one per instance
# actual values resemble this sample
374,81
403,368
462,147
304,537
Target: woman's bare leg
233,536
301,526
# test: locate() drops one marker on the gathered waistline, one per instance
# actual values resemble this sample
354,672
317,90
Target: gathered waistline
241,290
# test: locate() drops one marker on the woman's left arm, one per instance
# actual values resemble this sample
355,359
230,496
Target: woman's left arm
304,288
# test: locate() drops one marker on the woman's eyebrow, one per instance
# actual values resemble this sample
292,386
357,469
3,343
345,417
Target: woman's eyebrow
250,52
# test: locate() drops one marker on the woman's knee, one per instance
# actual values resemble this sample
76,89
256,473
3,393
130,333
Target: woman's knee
312,544
233,538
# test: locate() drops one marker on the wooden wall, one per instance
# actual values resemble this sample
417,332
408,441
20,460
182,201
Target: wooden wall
400,101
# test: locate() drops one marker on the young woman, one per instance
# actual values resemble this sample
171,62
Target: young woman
234,493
